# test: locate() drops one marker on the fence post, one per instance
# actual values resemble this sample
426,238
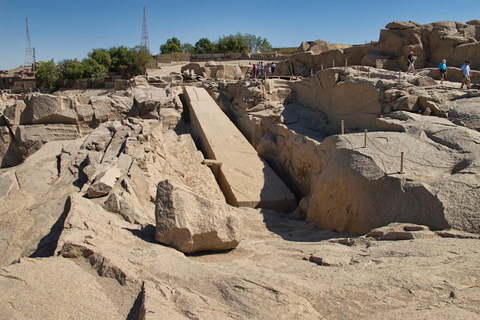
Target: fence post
365,139
333,64
368,72
322,66
342,125
401,163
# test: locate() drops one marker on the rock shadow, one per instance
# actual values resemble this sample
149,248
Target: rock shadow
47,245
298,230
147,233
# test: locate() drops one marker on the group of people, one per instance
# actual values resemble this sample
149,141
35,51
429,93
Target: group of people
442,67
259,69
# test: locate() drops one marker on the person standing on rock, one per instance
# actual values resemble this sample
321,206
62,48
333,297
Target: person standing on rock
273,68
254,70
443,70
411,61
466,74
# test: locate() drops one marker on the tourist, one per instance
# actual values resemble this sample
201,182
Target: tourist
411,61
273,68
254,70
466,74
269,70
261,68
443,70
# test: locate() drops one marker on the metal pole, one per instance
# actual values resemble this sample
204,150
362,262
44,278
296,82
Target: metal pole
342,124
401,163
365,139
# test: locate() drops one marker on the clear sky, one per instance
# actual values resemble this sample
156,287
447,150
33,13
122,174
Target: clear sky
68,29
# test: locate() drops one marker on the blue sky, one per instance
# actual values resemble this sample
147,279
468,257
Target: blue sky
69,29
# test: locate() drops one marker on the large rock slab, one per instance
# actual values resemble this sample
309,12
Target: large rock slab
245,179
45,108
191,223
64,292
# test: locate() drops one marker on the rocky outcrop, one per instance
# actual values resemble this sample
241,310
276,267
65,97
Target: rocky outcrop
191,223
430,43
215,70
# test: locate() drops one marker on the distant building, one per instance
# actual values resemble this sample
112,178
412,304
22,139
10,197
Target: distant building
20,79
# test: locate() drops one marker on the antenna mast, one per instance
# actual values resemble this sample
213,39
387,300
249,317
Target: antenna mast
28,49
144,43
34,60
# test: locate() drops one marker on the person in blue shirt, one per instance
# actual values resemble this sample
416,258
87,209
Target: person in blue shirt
466,74
443,70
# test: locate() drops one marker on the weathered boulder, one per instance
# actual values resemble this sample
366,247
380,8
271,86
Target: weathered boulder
104,182
191,223
45,108
31,138
360,188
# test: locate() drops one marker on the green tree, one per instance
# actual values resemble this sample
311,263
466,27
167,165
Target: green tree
142,58
204,45
122,58
172,45
71,69
102,56
187,47
256,44
232,44
49,73
92,67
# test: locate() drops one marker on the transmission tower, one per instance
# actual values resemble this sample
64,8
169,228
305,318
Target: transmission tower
144,43
28,49
34,60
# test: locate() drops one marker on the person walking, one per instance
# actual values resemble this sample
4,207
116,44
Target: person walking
466,74
443,70
411,61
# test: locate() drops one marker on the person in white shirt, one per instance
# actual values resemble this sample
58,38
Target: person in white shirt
466,74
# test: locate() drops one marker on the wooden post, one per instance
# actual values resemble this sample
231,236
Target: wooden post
321,66
311,72
333,64
358,71
365,139
342,125
369,72
401,163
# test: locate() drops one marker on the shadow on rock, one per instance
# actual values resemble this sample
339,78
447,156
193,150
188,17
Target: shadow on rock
298,230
